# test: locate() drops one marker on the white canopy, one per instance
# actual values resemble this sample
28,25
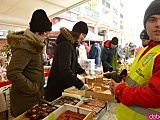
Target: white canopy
93,37
63,23
17,13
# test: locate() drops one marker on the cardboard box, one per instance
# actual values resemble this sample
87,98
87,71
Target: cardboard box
98,88
54,115
95,80
104,92
75,91
105,95
101,96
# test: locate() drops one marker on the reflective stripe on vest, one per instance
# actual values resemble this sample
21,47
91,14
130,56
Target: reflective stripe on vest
143,111
131,82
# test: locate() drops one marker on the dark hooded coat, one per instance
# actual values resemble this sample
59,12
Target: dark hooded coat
25,71
107,56
64,68
95,53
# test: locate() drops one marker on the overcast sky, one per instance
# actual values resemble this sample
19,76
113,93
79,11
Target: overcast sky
135,10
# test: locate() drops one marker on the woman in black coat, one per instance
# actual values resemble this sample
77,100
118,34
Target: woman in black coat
65,65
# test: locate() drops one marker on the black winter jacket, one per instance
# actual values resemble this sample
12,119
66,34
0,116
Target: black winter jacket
106,57
95,53
65,67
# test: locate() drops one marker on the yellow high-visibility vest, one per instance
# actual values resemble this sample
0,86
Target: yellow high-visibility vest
139,75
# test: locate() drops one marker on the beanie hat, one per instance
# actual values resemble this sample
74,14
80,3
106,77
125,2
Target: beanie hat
80,27
40,22
153,8
144,35
114,41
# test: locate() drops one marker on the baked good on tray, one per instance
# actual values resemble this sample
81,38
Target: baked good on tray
39,112
70,115
95,102
95,105
66,100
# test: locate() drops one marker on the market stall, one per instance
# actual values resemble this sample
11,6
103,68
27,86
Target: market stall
5,86
12,11
4,99
93,103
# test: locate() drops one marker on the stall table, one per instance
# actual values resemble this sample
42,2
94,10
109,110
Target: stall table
4,90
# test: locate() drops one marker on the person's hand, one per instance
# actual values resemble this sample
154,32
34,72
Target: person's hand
117,78
84,87
86,73
123,73
110,74
113,86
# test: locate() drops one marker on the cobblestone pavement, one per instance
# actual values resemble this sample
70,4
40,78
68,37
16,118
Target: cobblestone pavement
111,113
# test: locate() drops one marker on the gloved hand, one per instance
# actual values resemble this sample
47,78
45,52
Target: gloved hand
123,73
109,75
110,69
117,78
84,87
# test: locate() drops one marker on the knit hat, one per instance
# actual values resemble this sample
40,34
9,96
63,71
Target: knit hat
40,22
80,27
153,8
144,35
114,41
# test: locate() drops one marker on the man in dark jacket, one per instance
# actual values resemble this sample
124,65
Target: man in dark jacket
108,51
65,65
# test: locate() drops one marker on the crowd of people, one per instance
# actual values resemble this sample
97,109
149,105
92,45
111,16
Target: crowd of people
95,50
110,53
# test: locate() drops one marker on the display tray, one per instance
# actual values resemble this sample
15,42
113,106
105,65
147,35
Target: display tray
21,117
54,115
66,99
96,105
37,112
88,113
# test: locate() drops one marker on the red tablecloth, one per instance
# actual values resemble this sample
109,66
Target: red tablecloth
46,74
2,84
5,83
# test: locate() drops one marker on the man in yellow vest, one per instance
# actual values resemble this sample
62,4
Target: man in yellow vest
139,94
